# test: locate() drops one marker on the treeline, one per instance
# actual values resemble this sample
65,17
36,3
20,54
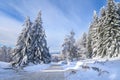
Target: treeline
6,53
103,38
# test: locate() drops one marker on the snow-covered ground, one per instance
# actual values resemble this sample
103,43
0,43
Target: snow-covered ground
35,68
93,70
6,72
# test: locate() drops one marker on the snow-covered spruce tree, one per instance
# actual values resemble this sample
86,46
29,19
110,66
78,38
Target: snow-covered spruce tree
100,29
109,32
69,50
93,36
39,49
82,46
89,46
94,33
65,49
31,46
20,52
83,40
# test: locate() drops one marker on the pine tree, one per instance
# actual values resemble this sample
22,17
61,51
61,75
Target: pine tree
106,41
93,36
20,51
39,43
82,46
84,40
89,46
109,32
69,49
31,46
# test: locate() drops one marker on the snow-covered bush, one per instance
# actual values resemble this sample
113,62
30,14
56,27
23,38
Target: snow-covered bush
5,54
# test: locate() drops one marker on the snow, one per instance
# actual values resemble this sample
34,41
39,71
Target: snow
6,73
4,65
71,65
90,69
87,70
36,68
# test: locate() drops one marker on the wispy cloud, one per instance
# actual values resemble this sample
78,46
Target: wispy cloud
54,21
9,30
59,18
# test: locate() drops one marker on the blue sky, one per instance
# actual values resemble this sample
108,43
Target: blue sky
59,18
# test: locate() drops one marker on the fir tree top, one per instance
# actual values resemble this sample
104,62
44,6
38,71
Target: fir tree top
38,19
95,16
72,33
111,6
27,21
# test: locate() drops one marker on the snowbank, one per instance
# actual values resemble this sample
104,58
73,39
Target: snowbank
94,70
36,68
9,74
4,65
71,65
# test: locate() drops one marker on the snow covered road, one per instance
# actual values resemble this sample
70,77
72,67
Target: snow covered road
81,70
54,72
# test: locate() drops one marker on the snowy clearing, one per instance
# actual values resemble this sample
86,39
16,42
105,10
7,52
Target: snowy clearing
6,73
100,69
93,70
36,68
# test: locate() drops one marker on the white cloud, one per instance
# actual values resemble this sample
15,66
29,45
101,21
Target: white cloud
56,24
9,30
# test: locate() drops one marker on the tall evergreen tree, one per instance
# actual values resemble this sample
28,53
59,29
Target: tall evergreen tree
93,36
103,36
69,49
31,45
89,46
20,51
39,43
82,46
84,40
109,31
